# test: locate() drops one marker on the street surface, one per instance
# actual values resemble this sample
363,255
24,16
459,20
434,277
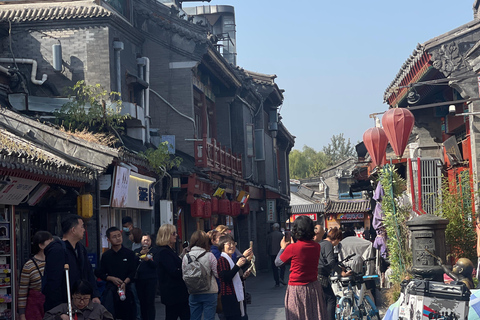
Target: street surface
267,300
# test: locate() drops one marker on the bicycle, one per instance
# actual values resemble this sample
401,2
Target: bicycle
352,305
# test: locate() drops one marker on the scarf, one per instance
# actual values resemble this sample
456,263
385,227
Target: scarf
237,284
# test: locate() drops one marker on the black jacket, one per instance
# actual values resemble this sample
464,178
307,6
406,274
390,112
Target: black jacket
172,287
146,269
56,256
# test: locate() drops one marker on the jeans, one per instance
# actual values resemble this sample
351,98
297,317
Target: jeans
275,270
330,301
205,303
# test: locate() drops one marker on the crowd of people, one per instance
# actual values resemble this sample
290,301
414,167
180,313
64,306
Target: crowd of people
131,273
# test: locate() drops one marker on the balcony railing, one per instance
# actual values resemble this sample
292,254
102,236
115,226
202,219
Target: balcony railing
210,154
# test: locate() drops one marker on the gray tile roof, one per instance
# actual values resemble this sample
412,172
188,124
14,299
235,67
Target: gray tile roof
347,206
17,153
308,208
52,11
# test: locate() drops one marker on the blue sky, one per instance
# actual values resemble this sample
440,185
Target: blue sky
336,58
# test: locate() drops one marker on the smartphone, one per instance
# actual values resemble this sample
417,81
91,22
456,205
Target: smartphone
288,235
185,244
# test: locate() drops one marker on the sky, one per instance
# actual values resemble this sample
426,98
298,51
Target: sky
335,59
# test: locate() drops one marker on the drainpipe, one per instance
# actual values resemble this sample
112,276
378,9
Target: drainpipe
325,187
34,68
118,47
141,64
147,100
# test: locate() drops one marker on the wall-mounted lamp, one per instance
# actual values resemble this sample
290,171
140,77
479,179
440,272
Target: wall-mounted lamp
452,109
176,182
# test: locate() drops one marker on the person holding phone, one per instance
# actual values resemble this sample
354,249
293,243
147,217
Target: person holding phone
273,246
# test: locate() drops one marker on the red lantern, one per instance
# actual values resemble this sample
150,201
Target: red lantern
214,205
197,208
398,125
224,207
375,141
246,209
207,210
236,208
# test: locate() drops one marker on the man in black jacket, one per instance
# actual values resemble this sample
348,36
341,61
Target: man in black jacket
68,250
117,267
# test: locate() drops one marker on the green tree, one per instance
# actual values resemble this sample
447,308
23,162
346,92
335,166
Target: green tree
339,149
88,109
456,206
160,160
307,163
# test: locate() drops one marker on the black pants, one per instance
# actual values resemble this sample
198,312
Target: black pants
275,270
146,289
330,302
178,310
125,310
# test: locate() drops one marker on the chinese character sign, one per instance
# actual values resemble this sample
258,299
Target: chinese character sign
271,211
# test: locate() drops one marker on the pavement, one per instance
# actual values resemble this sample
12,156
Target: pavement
267,300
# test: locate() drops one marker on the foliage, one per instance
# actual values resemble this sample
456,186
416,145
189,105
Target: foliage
396,216
339,149
88,110
160,160
307,163
456,206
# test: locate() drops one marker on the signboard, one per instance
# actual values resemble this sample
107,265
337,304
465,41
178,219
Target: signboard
13,191
139,188
312,216
120,187
451,148
350,216
271,211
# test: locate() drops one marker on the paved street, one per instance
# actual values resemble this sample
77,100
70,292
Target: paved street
267,301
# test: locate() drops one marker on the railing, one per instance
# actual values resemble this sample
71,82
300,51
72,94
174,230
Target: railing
210,154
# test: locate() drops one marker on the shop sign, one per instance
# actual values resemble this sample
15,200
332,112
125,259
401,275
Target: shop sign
312,216
271,211
15,190
120,188
350,216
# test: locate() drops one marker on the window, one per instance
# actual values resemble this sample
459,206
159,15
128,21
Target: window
259,145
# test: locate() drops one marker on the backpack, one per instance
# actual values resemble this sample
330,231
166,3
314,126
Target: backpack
64,247
196,275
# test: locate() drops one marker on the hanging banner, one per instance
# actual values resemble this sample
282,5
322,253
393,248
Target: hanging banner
271,211
120,187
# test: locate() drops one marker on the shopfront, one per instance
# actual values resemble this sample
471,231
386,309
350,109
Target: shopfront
351,216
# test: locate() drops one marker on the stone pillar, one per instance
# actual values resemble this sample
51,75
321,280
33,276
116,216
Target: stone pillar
428,232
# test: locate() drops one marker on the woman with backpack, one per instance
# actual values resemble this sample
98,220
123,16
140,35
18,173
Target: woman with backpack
173,290
30,296
199,273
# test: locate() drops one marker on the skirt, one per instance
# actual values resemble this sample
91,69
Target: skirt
305,302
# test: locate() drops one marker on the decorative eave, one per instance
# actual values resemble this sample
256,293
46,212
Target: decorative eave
22,158
226,73
266,84
41,11
347,206
420,61
308,208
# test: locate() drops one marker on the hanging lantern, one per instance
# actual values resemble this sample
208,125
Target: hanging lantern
375,141
398,125
246,209
214,205
197,208
207,210
224,207
236,208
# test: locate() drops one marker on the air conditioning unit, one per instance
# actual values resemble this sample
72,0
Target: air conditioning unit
166,212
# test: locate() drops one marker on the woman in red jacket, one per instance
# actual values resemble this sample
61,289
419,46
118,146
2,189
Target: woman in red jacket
304,297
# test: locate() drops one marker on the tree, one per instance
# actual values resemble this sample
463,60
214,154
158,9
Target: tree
307,163
339,149
88,109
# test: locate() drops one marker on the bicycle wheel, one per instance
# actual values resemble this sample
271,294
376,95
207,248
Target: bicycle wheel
370,309
344,310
